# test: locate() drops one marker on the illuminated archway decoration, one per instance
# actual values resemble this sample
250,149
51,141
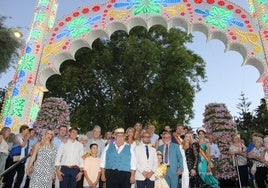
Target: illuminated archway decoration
49,44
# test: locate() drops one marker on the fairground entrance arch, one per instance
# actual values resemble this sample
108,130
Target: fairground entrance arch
49,44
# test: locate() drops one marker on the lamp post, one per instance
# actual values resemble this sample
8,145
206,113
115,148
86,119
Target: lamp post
17,33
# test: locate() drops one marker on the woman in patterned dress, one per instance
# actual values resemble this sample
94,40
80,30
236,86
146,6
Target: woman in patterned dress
257,154
42,162
191,152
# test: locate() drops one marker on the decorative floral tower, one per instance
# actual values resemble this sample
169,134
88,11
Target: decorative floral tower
218,121
54,112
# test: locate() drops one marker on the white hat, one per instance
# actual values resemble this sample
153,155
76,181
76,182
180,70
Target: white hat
119,131
201,129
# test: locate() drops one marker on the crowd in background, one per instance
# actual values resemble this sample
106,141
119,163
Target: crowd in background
133,158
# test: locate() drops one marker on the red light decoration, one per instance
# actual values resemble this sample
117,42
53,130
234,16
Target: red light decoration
221,3
96,8
238,11
85,10
75,14
68,19
198,1
230,7
211,1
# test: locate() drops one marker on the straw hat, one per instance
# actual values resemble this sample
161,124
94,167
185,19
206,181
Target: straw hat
119,131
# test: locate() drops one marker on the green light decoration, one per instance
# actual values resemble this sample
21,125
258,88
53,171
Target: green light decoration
262,1
50,23
27,62
146,7
251,9
17,107
219,17
36,34
34,111
6,108
40,17
44,2
78,27
265,18
52,16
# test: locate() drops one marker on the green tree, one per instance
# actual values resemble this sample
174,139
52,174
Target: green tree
9,46
145,76
246,121
2,96
261,117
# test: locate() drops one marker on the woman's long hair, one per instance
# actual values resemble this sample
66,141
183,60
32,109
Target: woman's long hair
3,132
43,140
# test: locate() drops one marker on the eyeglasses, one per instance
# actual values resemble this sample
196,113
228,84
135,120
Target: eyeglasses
167,137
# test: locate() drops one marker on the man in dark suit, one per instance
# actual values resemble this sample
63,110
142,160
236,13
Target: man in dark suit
173,158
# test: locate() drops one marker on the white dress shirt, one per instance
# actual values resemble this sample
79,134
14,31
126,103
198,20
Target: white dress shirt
70,154
154,138
119,149
214,150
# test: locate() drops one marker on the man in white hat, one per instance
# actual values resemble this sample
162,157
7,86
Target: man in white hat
118,163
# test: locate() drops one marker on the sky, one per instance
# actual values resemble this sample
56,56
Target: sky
226,78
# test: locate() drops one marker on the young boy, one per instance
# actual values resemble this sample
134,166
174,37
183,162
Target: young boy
92,169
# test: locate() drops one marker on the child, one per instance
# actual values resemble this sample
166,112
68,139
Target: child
160,173
92,169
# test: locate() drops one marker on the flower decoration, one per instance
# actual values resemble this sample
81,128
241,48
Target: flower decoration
53,113
218,121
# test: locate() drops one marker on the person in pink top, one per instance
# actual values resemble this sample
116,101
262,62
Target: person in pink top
92,169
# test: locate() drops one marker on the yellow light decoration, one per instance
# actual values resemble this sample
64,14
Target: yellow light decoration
174,10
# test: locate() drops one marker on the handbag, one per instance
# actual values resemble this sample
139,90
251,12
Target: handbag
253,169
16,158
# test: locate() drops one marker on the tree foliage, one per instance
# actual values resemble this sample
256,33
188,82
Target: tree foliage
9,45
261,117
251,121
245,122
145,76
2,97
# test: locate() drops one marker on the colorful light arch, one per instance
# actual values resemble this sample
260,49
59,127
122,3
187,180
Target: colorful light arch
49,44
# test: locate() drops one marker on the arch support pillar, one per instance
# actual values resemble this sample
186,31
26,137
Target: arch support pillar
24,98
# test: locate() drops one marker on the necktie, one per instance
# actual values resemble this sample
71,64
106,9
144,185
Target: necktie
166,154
147,152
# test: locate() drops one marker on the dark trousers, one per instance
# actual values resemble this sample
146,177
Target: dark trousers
260,176
117,179
9,177
27,182
69,177
147,183
80,182
243,174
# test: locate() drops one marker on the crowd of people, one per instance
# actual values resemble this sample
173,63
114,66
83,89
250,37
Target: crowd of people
133,158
